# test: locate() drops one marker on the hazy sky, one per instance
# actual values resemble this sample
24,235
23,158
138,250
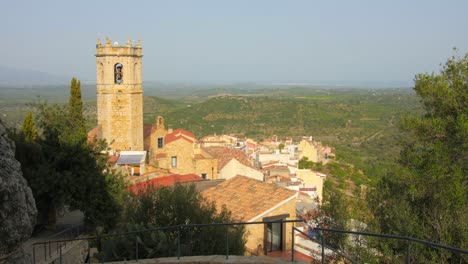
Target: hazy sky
268,41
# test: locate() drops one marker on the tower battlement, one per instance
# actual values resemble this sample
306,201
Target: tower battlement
114,49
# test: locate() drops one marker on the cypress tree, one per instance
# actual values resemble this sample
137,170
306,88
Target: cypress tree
28,128
75,106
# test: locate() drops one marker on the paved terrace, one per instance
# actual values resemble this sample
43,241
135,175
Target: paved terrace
212,260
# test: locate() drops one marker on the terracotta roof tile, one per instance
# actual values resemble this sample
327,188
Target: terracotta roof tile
92,134
224,155
247,198
180,134
113,159
165,181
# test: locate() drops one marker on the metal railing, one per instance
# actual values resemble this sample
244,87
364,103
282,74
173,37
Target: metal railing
407,239
180,228
177,228
49,247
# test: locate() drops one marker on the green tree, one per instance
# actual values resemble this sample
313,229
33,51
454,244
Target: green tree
281,147
28,129
173,206
62,169
334,213
75,106
427,197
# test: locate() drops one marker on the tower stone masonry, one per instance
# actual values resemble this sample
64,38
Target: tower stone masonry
119,94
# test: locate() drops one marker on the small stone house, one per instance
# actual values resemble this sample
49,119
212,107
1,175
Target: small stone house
250,200
178,151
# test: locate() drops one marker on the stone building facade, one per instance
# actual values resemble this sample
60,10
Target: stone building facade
178,151
120,95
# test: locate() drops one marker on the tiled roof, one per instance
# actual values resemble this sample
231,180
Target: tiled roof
204,185
180,134
224,155
92,134
247,198
165,181
113,159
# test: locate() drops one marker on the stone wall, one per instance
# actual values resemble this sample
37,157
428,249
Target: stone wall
17,206
208,166
183,150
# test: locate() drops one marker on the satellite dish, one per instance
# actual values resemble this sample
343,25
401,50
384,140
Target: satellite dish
116,43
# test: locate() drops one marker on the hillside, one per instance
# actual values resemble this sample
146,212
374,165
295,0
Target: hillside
361,124
363,127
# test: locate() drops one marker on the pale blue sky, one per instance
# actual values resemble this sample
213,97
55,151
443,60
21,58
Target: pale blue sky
264,41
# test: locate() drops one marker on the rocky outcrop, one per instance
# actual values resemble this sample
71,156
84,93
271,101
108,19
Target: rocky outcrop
17,206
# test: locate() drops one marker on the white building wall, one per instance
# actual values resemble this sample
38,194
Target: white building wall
234,167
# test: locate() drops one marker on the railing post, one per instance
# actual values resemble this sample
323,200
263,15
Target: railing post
323,248
136,248
292,247
408,254
190,240
50,254
34,253
60,250
89,251
45,251
178,243
227,242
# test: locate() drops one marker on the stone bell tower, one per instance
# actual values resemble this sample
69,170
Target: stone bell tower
120,94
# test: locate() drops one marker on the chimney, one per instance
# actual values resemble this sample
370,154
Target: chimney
169,129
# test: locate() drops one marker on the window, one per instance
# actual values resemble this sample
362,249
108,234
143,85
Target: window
203,175
174,161
118,73
160,142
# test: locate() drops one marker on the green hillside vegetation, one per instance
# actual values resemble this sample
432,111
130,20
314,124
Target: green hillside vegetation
362,126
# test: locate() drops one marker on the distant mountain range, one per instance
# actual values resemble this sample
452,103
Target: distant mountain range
20,77
11,76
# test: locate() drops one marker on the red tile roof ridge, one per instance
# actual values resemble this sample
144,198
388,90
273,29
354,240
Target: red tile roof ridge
92,134
180,134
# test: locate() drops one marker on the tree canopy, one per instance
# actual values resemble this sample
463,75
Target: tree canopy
62,168
427,196
28,129
75,106
173,206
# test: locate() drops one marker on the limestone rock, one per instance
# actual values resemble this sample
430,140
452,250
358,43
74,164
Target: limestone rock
17,206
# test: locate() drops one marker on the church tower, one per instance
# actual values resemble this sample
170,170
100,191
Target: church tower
120,94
